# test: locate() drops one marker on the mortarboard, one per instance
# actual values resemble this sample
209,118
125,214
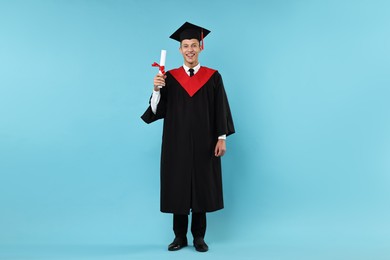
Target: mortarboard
190,31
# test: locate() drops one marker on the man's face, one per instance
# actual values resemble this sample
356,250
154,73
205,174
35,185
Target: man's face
190,50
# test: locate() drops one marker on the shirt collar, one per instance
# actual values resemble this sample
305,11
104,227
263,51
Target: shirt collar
196,68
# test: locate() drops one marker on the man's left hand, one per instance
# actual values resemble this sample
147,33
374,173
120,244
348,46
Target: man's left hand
220,148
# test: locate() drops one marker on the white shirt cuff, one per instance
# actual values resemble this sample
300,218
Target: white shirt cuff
222,137
154,101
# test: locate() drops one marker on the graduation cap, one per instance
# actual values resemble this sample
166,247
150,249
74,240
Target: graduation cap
190,31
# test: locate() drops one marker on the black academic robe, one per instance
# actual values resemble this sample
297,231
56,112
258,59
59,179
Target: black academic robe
195,111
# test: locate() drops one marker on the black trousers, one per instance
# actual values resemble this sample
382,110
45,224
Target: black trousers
198,225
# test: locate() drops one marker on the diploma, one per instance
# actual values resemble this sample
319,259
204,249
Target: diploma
162,63
162,60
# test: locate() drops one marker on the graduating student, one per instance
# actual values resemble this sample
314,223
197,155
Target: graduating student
197,119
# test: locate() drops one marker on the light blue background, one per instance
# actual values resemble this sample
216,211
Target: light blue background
306,176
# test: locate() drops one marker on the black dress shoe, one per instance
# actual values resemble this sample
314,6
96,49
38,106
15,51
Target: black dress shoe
200,245
177,244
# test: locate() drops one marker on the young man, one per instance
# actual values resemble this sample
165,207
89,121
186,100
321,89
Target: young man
197,120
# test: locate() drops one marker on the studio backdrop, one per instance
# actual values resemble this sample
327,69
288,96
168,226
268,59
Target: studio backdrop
309,89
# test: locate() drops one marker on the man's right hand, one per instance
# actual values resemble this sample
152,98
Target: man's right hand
159,80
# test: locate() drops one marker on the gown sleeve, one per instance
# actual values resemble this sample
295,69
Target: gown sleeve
149,116
224,119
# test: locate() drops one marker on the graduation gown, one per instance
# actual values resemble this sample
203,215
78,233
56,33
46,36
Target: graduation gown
195,112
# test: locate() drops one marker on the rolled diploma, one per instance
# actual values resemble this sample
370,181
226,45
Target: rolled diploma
162,61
